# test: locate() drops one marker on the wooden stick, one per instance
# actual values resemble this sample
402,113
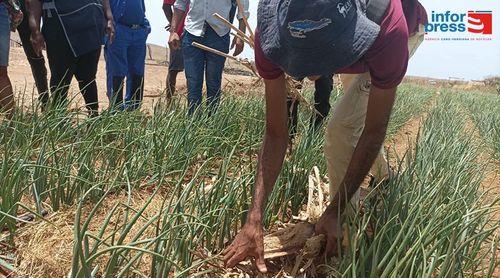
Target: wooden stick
238,31
244,62
251,66
214,51
245,20
242,38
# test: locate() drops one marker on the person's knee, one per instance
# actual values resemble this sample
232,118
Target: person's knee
137,69
340,136
86,82
215,67
339,122
85,76
194,82
214,81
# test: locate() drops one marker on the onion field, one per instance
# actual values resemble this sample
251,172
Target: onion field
159,194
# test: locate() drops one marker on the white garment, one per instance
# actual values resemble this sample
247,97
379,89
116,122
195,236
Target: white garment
202,11
348,122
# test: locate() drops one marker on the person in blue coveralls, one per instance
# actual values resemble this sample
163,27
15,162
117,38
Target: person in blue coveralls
126,55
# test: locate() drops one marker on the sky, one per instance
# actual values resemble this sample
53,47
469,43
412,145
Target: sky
470,60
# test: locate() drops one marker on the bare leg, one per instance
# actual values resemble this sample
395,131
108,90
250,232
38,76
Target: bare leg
6,94
171,83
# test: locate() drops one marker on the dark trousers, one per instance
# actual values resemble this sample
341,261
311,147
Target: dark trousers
64,65
37,64
322,93
200,64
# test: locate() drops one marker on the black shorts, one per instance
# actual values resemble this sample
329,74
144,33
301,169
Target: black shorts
176,60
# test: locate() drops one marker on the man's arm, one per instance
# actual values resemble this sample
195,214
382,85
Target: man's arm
167,10
239,44
379,109
34,8
249,241
107,10
180,8
174,41
177,18
110,24
274,146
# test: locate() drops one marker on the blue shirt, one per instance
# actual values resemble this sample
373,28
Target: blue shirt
129,12
134,13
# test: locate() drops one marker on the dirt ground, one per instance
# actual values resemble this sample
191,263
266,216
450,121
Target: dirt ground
155,79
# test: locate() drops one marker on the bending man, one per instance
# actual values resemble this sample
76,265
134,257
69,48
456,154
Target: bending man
318,38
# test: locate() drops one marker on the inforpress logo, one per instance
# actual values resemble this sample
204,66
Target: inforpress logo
480,22
473,25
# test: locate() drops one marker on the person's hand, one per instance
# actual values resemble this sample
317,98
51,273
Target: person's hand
238,46
110,30
330,226
38,42
174,42
248,243
15,20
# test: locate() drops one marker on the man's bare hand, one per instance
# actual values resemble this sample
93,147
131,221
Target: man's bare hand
330,226
238,46
38,42
248,243
110,30
174,42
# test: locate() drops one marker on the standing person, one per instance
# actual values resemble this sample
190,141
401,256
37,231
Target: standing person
126,55
203,28
176,59
73,32
10,17
37,63
369,40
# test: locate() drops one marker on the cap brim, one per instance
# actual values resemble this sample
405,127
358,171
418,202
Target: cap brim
324,58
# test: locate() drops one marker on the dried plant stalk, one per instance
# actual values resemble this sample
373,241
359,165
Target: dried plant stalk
250,40
287,241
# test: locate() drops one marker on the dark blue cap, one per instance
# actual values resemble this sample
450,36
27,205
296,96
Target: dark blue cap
314,37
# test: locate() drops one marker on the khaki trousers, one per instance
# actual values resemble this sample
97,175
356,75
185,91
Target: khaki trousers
347,124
